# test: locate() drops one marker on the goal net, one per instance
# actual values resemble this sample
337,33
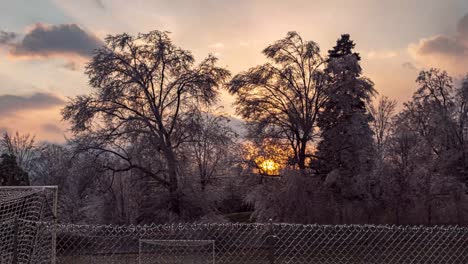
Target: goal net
27,218
176,251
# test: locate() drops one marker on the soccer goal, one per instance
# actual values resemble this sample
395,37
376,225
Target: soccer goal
176,251
27,224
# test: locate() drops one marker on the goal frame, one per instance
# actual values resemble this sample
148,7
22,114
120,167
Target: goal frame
54,205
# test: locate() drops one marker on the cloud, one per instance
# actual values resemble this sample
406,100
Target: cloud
443,45
37,114
462,26
408,65
238,125
444,51
71,66
7,37
217,45
47,40
381,54
10,104
100,4
52,128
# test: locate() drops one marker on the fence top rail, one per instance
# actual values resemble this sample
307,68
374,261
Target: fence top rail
29,187
177,242
63,227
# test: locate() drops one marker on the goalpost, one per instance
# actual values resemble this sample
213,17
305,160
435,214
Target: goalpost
27,224
176,251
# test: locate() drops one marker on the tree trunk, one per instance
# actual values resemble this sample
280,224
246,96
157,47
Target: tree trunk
203,179
458,205
397,211
429,213
429,199
339,208
173,188
302,154
123,213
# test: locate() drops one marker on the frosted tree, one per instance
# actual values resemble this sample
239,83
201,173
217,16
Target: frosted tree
16,155
210,146
79,180
346,149
144,88
11,174
22,146
382,122
281,99
438,111
426,149
438,114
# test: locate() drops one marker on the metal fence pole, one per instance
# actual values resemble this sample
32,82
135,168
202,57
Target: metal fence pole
55,217
271,242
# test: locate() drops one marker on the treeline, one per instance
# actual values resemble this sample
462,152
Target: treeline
147,144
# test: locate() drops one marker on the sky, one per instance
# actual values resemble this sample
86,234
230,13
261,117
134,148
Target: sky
44,44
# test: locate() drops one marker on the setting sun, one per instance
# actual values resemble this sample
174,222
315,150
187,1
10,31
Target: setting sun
269,167
267,157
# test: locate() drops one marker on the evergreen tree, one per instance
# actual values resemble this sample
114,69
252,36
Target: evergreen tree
347,139
344,46
11,173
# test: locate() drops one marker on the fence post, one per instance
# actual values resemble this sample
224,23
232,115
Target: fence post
271,239
54,232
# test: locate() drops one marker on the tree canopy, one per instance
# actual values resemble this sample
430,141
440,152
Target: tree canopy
144,88
281,99
11,173
346,144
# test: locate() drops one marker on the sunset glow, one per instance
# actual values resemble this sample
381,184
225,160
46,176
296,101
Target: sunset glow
403,38
269,167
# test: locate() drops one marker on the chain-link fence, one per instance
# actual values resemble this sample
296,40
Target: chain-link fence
263,243
29,234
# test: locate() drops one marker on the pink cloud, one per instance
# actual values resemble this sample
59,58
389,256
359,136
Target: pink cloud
449,52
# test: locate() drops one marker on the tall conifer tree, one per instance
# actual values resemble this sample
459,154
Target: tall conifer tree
347,141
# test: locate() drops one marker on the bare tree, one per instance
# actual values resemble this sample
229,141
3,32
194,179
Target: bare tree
144,87
210,146
382,121
427,146
406,153
76,176
51,166
281,99
22,147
